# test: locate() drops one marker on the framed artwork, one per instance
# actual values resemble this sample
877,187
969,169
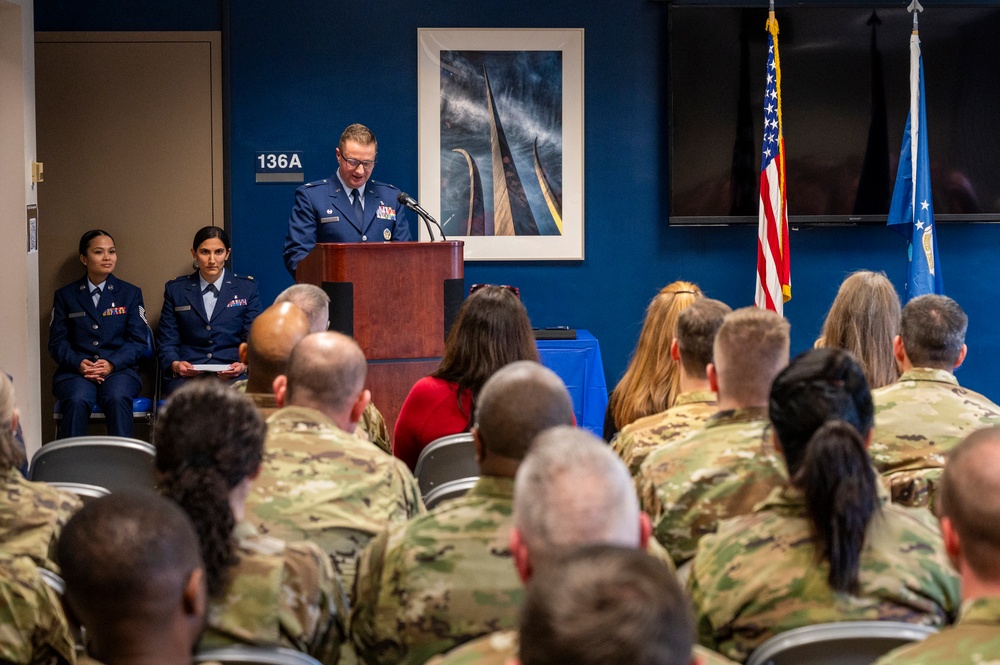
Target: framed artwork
501,140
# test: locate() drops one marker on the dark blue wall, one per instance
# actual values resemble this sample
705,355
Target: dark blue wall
301,71
120,15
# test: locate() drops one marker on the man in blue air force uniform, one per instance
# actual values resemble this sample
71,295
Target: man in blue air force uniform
347,206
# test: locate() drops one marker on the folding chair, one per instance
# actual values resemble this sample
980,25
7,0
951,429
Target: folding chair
112,463
840,643
250,655
448,458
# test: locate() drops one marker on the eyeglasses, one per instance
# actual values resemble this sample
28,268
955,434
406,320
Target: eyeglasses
368,164
479,287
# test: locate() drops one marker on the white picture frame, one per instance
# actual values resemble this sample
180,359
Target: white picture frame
536,80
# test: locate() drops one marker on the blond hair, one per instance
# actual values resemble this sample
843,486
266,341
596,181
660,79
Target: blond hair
10,453
751,348
359,134
863,319
651,382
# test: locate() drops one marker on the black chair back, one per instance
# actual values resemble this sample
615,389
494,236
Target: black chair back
112,463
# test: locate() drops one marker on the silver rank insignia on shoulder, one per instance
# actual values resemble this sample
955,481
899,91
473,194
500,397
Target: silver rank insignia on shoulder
387,234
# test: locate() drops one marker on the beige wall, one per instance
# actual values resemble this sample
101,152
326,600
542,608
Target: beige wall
130,130
19,345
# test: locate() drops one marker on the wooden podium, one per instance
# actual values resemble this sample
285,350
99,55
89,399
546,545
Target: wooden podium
398,300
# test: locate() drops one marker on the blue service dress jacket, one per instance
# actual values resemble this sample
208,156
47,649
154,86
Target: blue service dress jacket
323,213
115,330
187,333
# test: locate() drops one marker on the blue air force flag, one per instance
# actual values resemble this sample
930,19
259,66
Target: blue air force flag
912,210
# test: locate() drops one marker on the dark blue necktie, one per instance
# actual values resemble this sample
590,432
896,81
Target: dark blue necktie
359,212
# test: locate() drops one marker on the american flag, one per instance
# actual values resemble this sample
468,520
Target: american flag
774,285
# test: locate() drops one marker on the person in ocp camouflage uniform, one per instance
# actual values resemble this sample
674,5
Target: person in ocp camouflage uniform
262,591
447,577
135,580
314,301
692,351
828,546
319,481
725,468
922,416
273,335
969,502
31,514
552,517
605,604
33,628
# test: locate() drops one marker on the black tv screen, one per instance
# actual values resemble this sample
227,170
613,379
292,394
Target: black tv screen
841,143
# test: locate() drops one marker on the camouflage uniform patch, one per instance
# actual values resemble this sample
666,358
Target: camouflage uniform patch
371,426
918,420
689,412
280,594
975,638
759,576
33,628
322,484
439,580
715,473
32,515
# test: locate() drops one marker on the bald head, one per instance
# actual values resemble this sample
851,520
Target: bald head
516,403
551,513
326,372
970,500
129,558
273,335
310,299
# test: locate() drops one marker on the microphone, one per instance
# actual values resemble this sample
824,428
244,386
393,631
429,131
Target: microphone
412,204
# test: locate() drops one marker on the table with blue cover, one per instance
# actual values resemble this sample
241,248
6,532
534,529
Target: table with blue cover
578,363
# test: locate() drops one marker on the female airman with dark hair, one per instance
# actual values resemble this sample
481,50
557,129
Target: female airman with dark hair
828,546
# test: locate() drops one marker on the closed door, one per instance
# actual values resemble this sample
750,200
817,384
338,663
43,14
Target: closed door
130,133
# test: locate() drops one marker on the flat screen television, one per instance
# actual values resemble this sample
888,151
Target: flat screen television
841,144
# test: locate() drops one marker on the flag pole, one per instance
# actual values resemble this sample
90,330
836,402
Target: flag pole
915,8
774,286
911,212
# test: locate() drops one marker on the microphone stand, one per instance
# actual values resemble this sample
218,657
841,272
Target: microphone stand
412,204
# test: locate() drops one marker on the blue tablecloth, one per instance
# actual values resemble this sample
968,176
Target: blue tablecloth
578,364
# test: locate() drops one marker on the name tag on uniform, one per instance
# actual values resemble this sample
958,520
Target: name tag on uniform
327,220
386,212
75,315
183,308
237,302
113,311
